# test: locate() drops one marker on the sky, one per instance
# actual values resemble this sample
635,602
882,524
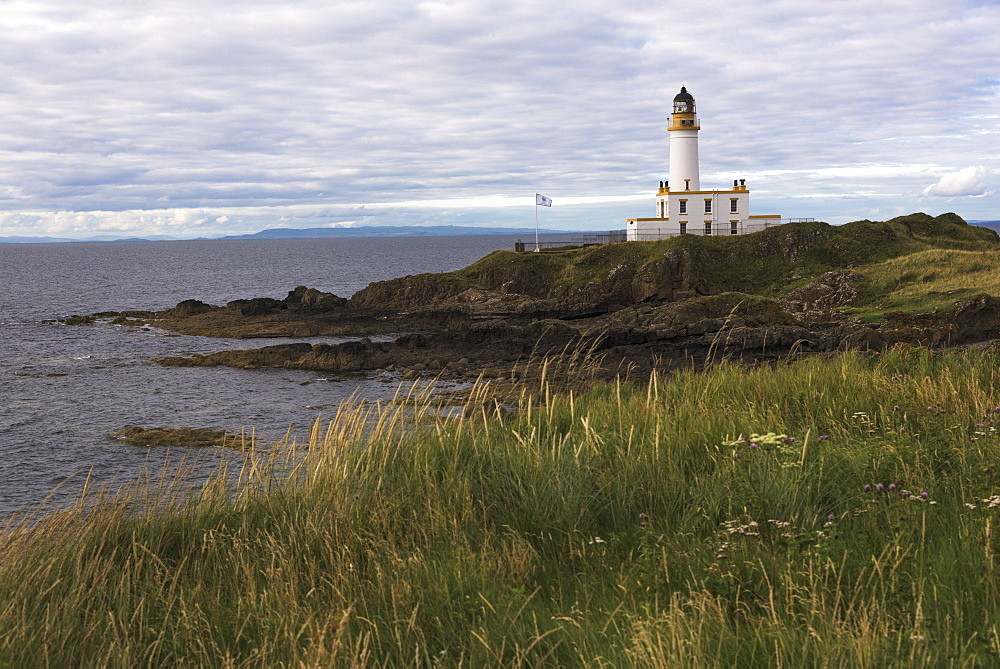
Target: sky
190,119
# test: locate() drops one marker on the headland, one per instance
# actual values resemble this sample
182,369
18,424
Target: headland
801,288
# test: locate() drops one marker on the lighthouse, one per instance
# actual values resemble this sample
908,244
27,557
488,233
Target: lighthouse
682,207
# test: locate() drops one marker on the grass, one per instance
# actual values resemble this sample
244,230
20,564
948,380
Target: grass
625,525
767,263
927,281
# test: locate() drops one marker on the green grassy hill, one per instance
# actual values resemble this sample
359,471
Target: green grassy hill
769,263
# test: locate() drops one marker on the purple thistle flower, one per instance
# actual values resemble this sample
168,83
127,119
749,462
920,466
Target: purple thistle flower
892,486
895,408
736,456
924,495
830,517
868,487
642,515
753,445
879,487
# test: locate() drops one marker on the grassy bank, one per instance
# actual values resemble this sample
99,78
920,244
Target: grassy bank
624,526
926,281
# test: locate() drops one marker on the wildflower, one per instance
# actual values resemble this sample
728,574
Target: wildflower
895,408
980,425
822,437
642,515
905,493
924,495
930,408
830,517
879,487
753,445
736,456
868,487
892,486
605,426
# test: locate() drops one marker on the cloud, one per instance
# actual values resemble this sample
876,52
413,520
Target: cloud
974,181
272,107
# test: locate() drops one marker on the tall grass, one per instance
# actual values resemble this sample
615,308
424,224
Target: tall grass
626,525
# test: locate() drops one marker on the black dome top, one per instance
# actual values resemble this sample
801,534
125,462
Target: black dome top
683,95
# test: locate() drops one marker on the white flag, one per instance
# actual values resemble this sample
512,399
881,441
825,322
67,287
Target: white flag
542,200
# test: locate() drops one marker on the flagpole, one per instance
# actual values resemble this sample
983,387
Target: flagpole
538,247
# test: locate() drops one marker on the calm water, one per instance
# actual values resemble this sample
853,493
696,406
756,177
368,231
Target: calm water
64,388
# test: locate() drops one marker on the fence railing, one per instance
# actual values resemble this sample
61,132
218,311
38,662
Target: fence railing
616,236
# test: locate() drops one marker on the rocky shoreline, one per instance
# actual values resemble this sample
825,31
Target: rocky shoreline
622,308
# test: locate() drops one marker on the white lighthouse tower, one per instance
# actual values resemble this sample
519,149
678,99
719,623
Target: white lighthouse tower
683,131
682,207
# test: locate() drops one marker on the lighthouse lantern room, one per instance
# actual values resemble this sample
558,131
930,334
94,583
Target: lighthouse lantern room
682,207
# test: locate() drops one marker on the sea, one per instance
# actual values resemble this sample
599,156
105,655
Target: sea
64,389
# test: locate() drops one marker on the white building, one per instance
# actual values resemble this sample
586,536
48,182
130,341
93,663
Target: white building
681,205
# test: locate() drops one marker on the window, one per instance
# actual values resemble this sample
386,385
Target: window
734,227
663,208
684,228
684,207
708,206
708,227
733,205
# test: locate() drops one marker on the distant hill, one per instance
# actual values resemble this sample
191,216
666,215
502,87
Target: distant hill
992,225
314,233
390,231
